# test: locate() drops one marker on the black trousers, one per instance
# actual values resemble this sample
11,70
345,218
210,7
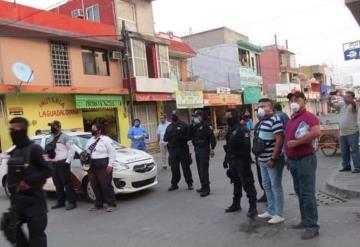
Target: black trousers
36,227
61,177
101,183
202,162
243,178
177,156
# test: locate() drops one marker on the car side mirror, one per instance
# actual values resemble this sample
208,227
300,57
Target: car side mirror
76,156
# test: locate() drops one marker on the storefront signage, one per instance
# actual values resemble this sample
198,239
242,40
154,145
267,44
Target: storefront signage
213,99
97,101
223,90
189,99
248,77
153,97
252,95
52,100
16,111
282,90
352,50
190,86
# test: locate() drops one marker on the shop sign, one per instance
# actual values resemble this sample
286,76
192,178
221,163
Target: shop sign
189,99
248,77
97,101
252,95
16,111
282,90
153,97
190,86
223,90
47,108
352,50
213,99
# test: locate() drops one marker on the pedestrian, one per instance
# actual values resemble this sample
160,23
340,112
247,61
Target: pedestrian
282,115
301,130
349,133
27,174
161,129
137,135
238,160
103,157
247,117
177,137
38,132
204,141
60,153
267,146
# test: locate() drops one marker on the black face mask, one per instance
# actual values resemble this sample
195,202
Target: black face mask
94,132
19,137
174,118
53,130
231,121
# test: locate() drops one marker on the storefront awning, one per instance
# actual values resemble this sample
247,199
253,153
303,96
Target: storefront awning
97,101
249,46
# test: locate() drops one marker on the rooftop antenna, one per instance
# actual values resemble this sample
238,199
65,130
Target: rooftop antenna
23,73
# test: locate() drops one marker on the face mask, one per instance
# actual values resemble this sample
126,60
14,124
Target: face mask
295,107
231,121
174,118
260,113
197,120
18,137
94,132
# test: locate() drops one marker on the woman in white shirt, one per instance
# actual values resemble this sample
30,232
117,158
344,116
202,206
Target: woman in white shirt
103,157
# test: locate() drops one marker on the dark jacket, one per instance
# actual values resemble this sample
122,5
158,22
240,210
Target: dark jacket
238,143
202,136
177,135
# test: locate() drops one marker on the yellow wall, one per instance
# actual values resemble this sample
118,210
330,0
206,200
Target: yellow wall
123,120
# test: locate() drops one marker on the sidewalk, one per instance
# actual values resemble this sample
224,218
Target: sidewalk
345,184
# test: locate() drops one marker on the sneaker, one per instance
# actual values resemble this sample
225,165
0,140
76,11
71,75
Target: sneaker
298,226
345,170
356,170
233,208
265,215
71,206
173,187
110,209
309,234
95,208
276,220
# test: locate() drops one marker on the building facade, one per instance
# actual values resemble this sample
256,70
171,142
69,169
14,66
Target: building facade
76,79
354,7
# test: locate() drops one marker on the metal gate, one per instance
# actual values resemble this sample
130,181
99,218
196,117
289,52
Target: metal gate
148,117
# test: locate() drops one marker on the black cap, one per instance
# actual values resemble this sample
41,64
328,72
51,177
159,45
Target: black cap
55,123
296,95
198,113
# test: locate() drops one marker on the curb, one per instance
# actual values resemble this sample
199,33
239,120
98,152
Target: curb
340,189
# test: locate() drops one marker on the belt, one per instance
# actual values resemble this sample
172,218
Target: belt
300,157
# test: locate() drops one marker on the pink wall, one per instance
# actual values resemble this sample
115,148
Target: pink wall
106,9
270,67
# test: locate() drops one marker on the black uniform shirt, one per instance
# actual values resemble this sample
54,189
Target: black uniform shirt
238,142
202,135
177,134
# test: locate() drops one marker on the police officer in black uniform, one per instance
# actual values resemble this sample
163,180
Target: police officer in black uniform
177,136
204,142
27,173
238,159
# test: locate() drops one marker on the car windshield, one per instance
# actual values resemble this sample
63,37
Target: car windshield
81,140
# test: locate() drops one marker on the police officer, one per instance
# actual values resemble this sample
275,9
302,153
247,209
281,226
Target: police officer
27,173
177,137
238,159
60,159
204,142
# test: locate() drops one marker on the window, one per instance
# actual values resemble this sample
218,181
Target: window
126,11
175,69
92,13
253,63
244,57
60,64
139,57
95,61
258,65
163,61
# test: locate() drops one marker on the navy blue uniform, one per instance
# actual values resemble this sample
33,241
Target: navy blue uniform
177,137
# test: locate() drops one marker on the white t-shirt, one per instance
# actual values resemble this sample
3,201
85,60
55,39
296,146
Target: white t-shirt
103,149
161,131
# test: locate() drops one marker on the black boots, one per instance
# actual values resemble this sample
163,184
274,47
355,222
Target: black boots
233,208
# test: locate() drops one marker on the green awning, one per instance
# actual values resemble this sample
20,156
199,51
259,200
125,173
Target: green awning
97,101
252,95
249,46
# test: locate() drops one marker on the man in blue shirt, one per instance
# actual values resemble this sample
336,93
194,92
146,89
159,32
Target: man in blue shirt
284,118
137,135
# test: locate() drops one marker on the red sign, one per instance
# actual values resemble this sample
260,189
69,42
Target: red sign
153,97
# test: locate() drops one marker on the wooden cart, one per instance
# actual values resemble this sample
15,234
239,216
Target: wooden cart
329,141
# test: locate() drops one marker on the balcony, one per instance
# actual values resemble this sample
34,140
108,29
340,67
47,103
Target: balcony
354,6
141,84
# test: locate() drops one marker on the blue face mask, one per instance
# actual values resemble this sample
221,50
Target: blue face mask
197,120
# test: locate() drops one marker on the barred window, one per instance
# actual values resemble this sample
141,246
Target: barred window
60,64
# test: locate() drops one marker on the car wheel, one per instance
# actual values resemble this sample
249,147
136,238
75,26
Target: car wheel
89,191
6,187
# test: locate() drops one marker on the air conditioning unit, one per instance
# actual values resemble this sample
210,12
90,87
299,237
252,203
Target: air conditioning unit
115,55
78,13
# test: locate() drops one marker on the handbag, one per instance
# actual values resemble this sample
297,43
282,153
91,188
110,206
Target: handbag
259,145
50,147
85,156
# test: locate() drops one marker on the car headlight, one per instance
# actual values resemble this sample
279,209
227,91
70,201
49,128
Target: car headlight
120,167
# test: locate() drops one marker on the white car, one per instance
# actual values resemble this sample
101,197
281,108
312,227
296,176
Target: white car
134,170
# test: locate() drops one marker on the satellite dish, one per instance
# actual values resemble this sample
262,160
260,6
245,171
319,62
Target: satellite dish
23,72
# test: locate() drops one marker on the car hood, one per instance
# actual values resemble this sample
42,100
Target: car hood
129,155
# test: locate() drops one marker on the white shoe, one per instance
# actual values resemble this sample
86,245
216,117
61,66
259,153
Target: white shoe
265,215
276,220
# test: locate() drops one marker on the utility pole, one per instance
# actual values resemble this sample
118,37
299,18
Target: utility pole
126,39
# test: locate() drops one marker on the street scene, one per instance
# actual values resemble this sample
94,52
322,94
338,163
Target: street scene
179,123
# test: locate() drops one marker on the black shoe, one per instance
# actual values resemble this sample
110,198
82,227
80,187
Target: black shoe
356,170
190,187
199,190
205,193
252,213
71,206
233,208
173,187
299,226
345,170
262,199
309,234
58,205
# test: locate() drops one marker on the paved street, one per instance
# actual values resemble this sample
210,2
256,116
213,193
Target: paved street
158,218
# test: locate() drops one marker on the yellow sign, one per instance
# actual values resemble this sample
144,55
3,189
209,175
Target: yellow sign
189,99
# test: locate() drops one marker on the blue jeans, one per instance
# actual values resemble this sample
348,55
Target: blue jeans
350,146
303,171
272,183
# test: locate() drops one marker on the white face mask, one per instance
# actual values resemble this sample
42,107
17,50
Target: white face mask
295,107
260,113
